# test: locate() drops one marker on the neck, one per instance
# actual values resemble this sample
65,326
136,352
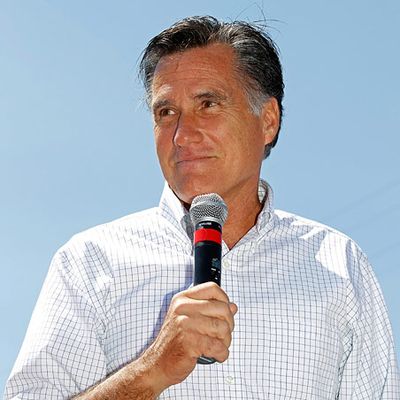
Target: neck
242,216
243,210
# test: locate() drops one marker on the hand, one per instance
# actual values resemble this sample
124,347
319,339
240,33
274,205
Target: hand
199,322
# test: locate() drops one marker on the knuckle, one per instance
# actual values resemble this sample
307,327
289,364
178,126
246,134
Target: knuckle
215,348
215,288
221,326
228,340
179,306
179,303
223,355
212,285
178,295
227,309
223,310
221,352
233,323
181,321
207,345
214,345
226,329
216,324
175,299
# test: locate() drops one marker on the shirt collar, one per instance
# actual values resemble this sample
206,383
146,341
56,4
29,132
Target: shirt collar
266,196
172,209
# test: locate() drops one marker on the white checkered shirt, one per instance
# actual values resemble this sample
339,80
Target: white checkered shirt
312,323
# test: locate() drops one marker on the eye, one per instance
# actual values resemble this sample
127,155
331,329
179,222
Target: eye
208,103
163,112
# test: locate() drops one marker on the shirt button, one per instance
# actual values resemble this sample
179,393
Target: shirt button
225,264
230,380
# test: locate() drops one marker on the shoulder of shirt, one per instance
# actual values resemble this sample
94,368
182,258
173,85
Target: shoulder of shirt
331,244
287,219
131,225
100,250
291,219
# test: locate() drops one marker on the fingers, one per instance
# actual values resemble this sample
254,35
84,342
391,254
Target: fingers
205,312
207,308
214,348
234,308
205,326
207,291
199,321
202,336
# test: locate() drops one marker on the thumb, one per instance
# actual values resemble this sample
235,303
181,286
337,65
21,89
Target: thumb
233,307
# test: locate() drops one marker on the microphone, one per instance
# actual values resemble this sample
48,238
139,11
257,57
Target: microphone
208,213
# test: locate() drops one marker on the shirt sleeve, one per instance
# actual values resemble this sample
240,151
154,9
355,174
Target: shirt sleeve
370,370
62,352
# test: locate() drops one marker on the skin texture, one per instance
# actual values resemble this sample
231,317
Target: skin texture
199,322
207,140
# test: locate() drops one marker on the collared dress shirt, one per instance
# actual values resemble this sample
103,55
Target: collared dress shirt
312,323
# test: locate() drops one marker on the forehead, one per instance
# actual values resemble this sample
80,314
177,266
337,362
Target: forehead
216,54
212,65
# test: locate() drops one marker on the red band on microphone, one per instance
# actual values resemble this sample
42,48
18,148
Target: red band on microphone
211,235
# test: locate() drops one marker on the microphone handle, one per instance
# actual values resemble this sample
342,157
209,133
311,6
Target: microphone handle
207,263
207,260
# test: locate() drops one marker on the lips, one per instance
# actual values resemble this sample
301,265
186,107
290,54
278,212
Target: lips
193,159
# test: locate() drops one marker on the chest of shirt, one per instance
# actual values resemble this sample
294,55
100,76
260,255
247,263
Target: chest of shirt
281,299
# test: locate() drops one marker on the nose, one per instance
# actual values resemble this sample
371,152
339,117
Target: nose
187,131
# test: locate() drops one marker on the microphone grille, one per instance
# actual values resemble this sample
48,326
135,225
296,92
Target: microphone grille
208,207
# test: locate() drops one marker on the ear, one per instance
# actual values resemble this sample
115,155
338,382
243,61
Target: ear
270,119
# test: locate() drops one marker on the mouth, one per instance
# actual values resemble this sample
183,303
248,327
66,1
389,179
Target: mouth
189,165
193,159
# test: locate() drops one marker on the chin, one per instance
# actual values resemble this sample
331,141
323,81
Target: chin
188,191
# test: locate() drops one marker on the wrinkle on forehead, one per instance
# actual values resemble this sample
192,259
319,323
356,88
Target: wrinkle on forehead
210,53
202,63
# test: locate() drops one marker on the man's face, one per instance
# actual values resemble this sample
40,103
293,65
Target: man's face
207,138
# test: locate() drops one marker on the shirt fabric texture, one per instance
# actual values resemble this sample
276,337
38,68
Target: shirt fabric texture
312,323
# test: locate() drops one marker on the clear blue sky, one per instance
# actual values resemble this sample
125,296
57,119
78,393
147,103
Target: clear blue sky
76,145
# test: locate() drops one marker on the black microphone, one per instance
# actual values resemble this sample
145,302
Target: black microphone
208,213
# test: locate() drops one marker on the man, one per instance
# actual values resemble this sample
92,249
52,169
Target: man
299,315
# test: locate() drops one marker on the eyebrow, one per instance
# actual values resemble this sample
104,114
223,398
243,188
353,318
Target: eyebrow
160,103
211,95
207,94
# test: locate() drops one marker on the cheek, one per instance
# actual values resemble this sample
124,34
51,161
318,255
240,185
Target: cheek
248,140
163,150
